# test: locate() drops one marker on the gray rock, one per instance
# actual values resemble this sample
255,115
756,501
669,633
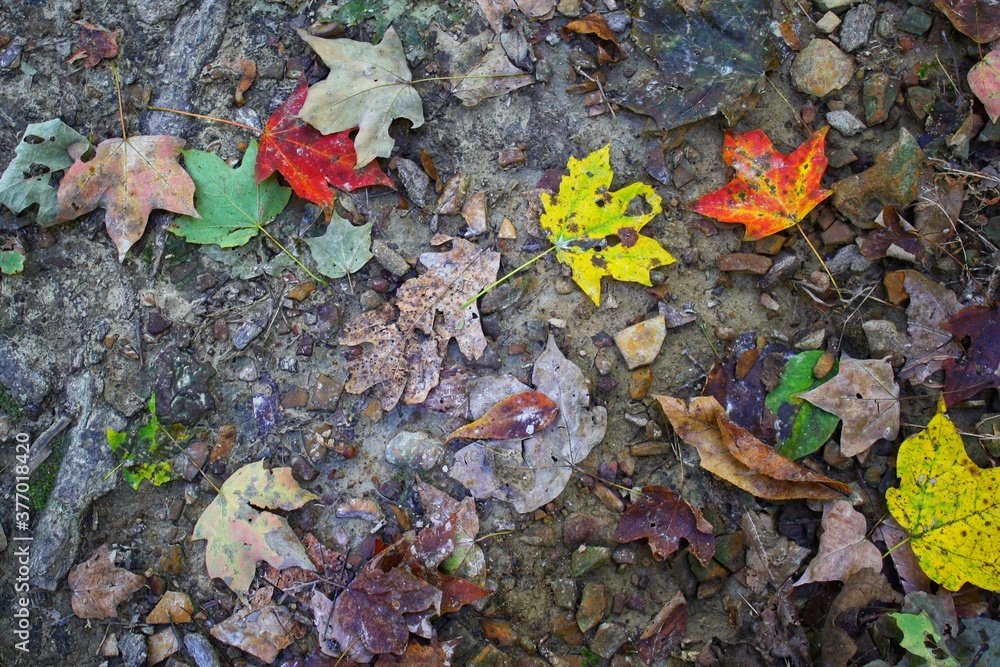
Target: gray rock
883,339
87,472
783,268
415,450
246,370
181,387
247,332
833,5
857,27
915,21
414,180
21,379
848,258
195,38
3,540
152,12
608,639
199,648
618,21
133,649
845,122
390,260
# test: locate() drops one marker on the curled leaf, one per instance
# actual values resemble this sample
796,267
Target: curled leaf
517,416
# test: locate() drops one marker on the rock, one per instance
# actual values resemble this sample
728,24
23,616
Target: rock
877,97
21,379
246,370
640,343
88,471
915,21
580,529
248,331
845,122
301,291
453,197
294,398
744,261
195,38
838,234
173,607
593,604
569,7
828,23
325,394
200,649
162,645
491,656
810,339
783,268
848,258
822,68
415,181
587,559
3,540
841,157
390,260
886,26
639,382
507,230
498,631
833,5
181,387
619,21
883,339
564,592
172,559
857,27
511,156
416,450
891,180
920,100
157,324
608,639
604,361
474,213
609,499
205,282
730,550
133,649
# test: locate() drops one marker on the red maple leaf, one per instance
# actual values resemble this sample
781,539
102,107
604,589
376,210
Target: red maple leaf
771,191
310,161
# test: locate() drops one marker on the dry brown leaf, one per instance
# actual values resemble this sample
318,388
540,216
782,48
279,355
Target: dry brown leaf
591,24
860,590
930,343
261,632
735,455
864,394
843,549
409,336
99,586
94,44
897,541
173,607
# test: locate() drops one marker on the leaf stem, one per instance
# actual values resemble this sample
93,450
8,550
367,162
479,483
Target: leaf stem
121,109
294,258
214,119
898,544
509,275
826,268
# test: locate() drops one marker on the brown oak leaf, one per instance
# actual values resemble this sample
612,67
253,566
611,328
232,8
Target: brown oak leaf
843,549
99,586
409,336
665,518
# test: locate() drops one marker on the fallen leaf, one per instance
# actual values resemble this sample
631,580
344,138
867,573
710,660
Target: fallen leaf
331,572
591,24
591,230
408,336
368,86
929,343
843,548
891,239
247,74
43,150
99,586
93,44
949,507
690,85
467,559
342,249
518,416
772,558
310,161
533,472
979,19
897,543
128,178
770,191
232,207
978,368
921,639
802,428
262,632
492,75
239,535
495,10
11,262
979,641
860,590
664,518
736,456
665,632
173,607
864,394
437,654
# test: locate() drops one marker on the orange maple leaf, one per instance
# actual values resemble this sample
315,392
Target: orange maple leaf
771,191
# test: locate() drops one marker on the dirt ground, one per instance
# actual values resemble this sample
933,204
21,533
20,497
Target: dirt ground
76,316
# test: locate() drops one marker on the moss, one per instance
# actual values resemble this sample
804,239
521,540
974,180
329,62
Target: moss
44,478
9,405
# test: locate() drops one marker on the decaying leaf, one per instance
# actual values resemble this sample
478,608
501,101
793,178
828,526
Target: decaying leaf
984,80
736,456
99,585
864,394
342,249
860,590
94,44
843,548
949,506
409,336
929,343
310,161
492,75
11,262
585,215
532,472
893,237
662,516
368,86
922,639
128,178
680,36
979,367
802,428
262,631
331,572
467,560
665,632
979,19
771,191
239,535
518,416
897,541
232,207
436,654
44,145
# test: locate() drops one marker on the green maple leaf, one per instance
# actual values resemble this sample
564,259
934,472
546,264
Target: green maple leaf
11,261
44,145
343,249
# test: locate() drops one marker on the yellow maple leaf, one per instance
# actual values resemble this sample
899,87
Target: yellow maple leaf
585,214
949,506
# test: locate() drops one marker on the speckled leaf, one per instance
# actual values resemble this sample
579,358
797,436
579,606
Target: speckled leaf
949,506
984,80
368,86
802,427
310,161
585,215
408,337
43,145
239,535
712,57
979,19
770,191
517,416
128,178
342,249
233,207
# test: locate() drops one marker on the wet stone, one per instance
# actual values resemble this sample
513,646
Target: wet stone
845,122
162,645
301,291
730,551
587,559
822,68
564,592
838,234
302,469
834,5
609,499
828,23
877,97
133,650
296,397
325,394
172,560
915,21
181,387
246,370
415,181
416,450
744,261
619,21
305,346
491,656
157,324
205,282
220,330
390,260
883,339
624,555
593,603
201,651
247,331
857,27
288,364
21,379
640,343
580,529
498,631
608,639
920,100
